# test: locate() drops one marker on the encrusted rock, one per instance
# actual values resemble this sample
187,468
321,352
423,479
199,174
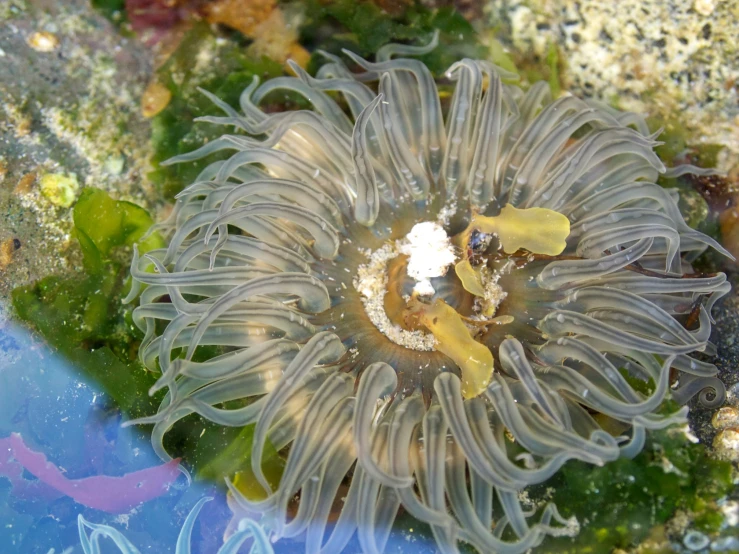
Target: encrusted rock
670,59
725,418
726,445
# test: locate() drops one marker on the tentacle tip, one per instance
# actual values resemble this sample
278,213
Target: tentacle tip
295,67
186,473
156,387
355,57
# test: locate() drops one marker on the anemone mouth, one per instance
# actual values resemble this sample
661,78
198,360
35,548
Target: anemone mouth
548,205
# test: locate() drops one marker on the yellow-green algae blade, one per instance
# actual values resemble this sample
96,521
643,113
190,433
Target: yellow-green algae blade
538,230
454,340
469,277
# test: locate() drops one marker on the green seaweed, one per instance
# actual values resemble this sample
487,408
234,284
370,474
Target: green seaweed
82,316
499,56
673,139
676,144
706,155
113,10
620,504
363,27
694,209
109,223
693,206
674,149
235,460
13,9
552,62
226,72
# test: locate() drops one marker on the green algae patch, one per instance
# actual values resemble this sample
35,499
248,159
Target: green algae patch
693,206
695,210
13,9
673,139
84,319
114,10
82,316
363,27
109,223
234,461
700,199
217,64
621,504
553,64
499,55
548,67
676,142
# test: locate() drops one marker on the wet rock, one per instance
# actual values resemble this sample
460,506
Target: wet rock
726,445
648,56
70,87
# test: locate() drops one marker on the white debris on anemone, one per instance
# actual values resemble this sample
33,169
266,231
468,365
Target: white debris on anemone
430,253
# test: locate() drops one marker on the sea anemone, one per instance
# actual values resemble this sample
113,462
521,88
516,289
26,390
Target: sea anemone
426,314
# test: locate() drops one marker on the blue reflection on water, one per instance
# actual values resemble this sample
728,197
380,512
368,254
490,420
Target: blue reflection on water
68,418
75,425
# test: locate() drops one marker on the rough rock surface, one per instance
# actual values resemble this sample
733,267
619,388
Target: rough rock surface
70,87
675,59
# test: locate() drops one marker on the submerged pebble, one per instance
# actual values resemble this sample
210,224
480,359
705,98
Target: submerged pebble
725,418
726,445
695,541
43,41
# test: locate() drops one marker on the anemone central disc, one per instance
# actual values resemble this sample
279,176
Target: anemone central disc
425,240
396,282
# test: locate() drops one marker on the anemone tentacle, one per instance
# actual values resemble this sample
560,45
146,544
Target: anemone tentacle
247,529
266,255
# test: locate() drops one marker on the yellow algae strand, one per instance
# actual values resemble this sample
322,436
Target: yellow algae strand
454,340
538,230
470,278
